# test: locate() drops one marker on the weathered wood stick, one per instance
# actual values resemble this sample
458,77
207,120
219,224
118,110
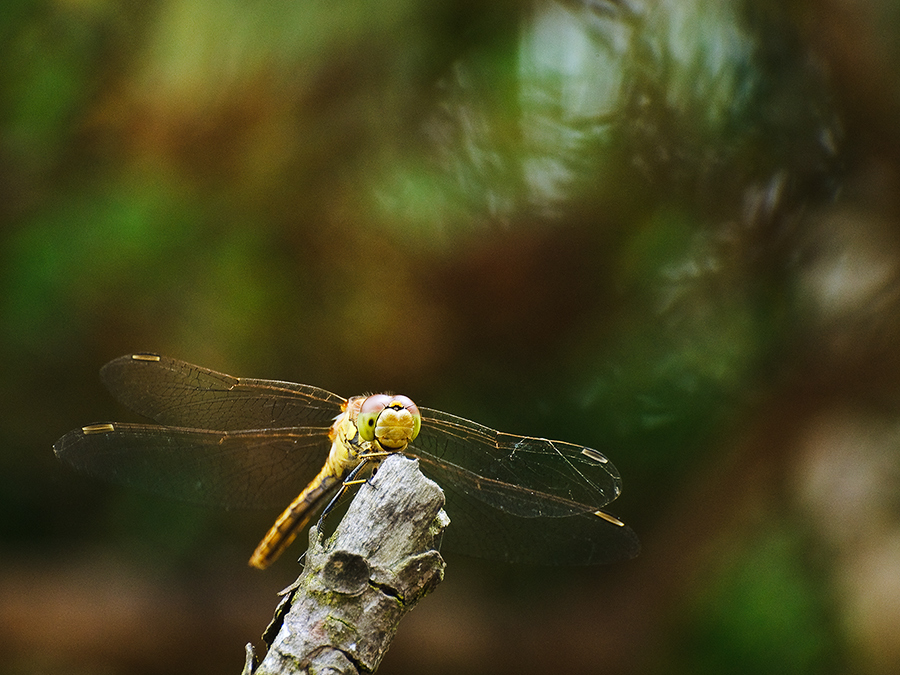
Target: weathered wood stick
341,615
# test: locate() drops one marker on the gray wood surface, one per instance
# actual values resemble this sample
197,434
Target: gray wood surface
342,613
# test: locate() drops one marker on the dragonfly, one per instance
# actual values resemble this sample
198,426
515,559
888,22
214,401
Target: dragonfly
250,443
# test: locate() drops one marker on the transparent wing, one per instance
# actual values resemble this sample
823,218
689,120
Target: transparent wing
235,469
180,394
483,532
526,476
522,499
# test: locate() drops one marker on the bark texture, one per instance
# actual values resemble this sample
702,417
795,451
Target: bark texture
341,615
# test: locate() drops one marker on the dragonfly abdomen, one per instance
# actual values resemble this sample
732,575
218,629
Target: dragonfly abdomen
295,518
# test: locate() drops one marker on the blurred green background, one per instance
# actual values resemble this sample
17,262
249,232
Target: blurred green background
667,230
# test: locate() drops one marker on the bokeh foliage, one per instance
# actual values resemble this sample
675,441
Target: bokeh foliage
663,229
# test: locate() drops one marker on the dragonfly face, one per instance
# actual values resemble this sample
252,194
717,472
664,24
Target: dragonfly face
392,422
241,442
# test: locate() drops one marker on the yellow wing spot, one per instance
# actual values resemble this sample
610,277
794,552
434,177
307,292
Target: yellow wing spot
145,357
97,429
609,519
594,455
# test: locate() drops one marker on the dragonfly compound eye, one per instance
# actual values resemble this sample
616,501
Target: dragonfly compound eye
368,415
390,421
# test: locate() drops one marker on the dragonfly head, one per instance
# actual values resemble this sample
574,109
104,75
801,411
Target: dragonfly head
390,421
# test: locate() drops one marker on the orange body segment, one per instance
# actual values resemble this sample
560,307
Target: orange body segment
294,518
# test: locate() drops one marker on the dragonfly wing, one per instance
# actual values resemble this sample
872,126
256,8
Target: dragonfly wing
525,476
180,394
243,469
521,499
478,530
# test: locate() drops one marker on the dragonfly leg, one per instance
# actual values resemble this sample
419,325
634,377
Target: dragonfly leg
340,493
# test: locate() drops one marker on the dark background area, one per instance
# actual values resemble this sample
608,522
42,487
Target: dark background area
667,230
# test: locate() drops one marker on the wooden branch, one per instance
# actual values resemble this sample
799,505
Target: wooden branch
342,613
